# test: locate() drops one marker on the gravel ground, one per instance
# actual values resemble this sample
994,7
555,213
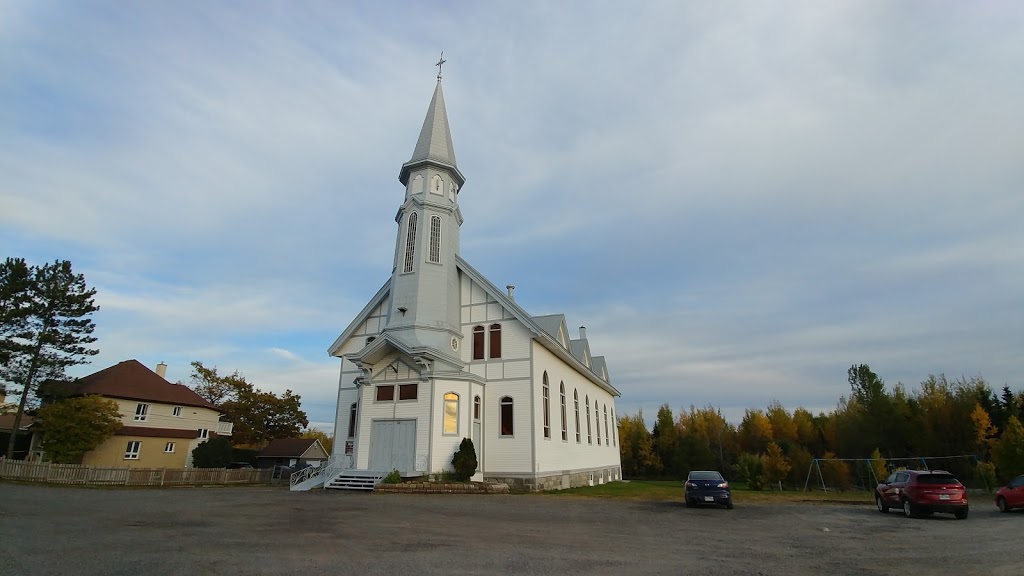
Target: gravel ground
198,531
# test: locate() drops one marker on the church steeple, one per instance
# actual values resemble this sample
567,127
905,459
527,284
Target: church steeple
434,146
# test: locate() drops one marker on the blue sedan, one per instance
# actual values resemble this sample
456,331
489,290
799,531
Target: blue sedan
707,487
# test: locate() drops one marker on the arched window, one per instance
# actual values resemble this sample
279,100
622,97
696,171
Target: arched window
590,436
476,408
478,343
410,243
451,414
607,438
565,426
547,408
576,403
352,420
435,239
615,426
597,416
505,416
495,340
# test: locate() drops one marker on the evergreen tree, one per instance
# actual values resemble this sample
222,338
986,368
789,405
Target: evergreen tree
46,326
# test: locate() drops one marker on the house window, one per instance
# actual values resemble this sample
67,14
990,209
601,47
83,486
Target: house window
476,408
506,416
169,448
132,451
607,438
435,239
141,412
352,420
547,408
176,411
576,403
203,434
408,391
410,243
478,343
561,393
597,417
451,413
385,393
590,437
495,340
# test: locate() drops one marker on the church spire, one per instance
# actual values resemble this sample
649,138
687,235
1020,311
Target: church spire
434,146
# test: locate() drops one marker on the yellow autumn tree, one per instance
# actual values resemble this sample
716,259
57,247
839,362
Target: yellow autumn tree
878,465
774,465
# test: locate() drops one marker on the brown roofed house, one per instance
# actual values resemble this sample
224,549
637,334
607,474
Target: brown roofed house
292,452
163,421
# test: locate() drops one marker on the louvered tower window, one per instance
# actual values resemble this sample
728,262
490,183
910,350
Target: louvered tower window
435,239
410,243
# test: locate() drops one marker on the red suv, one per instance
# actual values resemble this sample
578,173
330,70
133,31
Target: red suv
922,492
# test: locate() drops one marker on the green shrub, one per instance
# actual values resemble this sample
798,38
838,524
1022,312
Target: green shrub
214,453
464,461
748,469
393,477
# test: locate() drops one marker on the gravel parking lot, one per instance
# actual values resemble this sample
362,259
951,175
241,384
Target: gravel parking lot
196,531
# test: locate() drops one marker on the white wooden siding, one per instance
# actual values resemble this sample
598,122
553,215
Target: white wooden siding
553,454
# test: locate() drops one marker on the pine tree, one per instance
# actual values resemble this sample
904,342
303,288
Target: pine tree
46,326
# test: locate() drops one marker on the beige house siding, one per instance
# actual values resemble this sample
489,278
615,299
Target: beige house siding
151,453
162,416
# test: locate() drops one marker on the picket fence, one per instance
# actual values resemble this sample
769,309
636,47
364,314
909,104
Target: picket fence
92,476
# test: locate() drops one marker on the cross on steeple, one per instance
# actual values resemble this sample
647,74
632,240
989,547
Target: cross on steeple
439,63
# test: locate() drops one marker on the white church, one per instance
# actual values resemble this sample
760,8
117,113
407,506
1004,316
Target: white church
440,354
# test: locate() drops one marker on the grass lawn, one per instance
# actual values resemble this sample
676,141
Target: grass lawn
673,490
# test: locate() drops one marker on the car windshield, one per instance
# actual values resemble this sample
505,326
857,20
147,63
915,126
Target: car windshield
937,479
705,476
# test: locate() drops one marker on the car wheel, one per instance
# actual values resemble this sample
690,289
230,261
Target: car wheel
881,504
961,514
908,509
728,504
1003,506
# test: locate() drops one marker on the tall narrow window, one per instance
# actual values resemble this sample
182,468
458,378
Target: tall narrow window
435,238
352,420
565,426
615,426
607,438
495,340
576,402
547,408
476,408
597,417
451,413
506,416
410,243
590,436
478,343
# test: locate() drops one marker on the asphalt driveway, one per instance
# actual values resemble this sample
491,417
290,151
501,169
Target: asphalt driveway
190,531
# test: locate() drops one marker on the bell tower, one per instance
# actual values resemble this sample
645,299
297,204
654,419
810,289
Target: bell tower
424,306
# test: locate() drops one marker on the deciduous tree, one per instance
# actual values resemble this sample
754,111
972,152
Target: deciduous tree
774,465
46,326
74,426
1008,453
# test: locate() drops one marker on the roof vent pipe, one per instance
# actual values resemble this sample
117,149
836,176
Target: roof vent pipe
161,370
583,332
511,292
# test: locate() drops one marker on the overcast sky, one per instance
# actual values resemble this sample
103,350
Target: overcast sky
738,200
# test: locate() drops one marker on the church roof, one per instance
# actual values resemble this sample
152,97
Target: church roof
435,142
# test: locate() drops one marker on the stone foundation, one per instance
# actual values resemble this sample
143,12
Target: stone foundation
560,480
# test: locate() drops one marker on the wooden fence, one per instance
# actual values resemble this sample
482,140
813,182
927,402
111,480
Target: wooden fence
91,476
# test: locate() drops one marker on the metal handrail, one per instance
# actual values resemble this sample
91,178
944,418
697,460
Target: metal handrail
328,469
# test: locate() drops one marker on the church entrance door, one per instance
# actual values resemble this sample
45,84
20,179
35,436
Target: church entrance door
393,445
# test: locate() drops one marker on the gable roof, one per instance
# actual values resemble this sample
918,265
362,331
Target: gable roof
541,335
359,318
7,421
128,380
289,447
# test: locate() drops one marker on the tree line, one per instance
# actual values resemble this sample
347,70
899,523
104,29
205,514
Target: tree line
885,427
